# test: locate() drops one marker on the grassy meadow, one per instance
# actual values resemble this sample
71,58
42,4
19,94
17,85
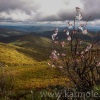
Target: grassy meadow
24,69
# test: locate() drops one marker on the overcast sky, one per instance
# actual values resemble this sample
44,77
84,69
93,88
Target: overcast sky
47,11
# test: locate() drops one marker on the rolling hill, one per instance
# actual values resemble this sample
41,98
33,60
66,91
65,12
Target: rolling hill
25,50
23,67
33,46
23,63
11,32
41,46
47,34
10,56
8,35
43,28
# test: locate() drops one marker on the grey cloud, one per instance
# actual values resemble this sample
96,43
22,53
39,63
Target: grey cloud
7,5
64,15
59,17
8,20
27,7
91,8
48,18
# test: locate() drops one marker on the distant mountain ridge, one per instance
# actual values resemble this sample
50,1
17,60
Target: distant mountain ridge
61,36
40,29
25,28
11,35
10,32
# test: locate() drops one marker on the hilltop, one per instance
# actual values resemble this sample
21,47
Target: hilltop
33,46
25,50
11,56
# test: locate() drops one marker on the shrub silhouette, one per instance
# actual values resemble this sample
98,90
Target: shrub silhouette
75,58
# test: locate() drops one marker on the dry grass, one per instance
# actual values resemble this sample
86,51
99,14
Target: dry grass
38,76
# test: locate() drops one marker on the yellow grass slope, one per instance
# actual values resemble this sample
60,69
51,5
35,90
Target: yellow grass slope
9,55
